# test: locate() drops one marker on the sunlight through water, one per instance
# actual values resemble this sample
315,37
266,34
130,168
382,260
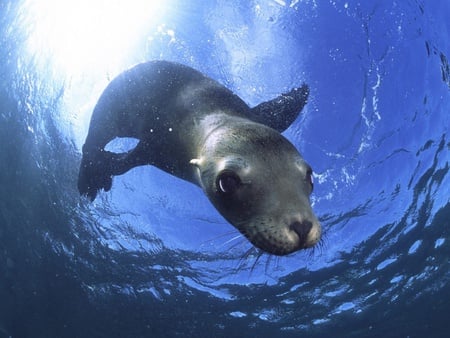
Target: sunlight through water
85,44
86,35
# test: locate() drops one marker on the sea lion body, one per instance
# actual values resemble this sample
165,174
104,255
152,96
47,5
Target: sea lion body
196,129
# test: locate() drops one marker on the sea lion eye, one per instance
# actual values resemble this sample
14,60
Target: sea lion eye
227,182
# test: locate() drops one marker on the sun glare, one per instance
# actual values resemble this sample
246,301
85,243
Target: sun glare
79,35
83,44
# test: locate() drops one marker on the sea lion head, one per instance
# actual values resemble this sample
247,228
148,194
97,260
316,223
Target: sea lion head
260,183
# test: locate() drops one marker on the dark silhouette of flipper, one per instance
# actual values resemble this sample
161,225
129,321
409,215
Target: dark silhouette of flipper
99,166
282,111
95,173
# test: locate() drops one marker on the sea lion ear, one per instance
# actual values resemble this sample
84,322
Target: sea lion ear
282,111
196,162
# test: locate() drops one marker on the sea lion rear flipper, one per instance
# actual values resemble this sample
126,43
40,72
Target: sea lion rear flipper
95,174
98,167
282,111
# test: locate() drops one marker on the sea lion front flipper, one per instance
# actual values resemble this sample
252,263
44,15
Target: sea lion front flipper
282,111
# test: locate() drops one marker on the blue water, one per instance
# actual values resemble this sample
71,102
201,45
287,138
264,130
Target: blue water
152,258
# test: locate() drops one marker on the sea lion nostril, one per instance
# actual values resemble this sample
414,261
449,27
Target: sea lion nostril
302,229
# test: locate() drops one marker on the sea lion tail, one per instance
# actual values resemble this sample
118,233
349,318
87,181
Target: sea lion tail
95,173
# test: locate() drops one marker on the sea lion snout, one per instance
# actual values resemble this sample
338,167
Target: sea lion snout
281,238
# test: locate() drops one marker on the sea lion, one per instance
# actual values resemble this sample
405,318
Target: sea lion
196,129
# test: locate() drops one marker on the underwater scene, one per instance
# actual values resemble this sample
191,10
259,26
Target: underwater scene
153,255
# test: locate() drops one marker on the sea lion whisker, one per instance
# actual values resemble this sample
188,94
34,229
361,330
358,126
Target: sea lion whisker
258,256
239,236
236,244
247,253
269,258
235,239
242,260
226,234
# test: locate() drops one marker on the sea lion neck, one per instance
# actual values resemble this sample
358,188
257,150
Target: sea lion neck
210,126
